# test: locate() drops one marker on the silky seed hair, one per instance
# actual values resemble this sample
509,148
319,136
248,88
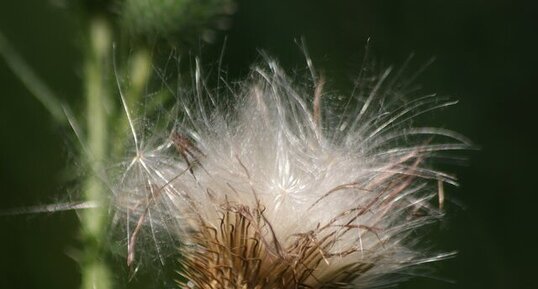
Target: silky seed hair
272,183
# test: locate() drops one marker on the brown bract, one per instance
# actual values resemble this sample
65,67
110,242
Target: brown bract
239,255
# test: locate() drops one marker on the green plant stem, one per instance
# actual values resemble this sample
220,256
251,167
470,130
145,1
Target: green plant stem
139,72
94,222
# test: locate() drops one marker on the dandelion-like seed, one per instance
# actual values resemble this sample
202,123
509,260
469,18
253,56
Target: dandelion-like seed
285,186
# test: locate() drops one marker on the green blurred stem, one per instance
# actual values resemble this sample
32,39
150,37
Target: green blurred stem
94,222
139,72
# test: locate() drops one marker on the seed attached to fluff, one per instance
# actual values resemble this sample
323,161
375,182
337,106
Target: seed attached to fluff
284,186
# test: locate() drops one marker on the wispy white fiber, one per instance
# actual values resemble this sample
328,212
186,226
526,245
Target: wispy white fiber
352,171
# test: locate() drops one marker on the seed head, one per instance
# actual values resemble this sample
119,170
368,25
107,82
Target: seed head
281,185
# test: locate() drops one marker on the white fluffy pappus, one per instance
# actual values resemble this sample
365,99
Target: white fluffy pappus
285,186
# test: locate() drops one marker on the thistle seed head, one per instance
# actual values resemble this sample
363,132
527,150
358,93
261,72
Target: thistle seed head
285,186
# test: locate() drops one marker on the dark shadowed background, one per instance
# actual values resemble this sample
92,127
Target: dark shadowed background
486,56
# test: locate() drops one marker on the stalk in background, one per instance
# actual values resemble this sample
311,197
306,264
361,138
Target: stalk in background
94,222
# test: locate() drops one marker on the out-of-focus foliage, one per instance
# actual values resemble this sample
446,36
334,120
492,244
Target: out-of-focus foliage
175,20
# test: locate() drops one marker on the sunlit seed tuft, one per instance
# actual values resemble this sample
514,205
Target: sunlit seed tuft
285,186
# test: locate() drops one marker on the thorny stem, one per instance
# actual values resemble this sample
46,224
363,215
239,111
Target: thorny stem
95,272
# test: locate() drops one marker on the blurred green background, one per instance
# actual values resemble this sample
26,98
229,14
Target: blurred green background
486,56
